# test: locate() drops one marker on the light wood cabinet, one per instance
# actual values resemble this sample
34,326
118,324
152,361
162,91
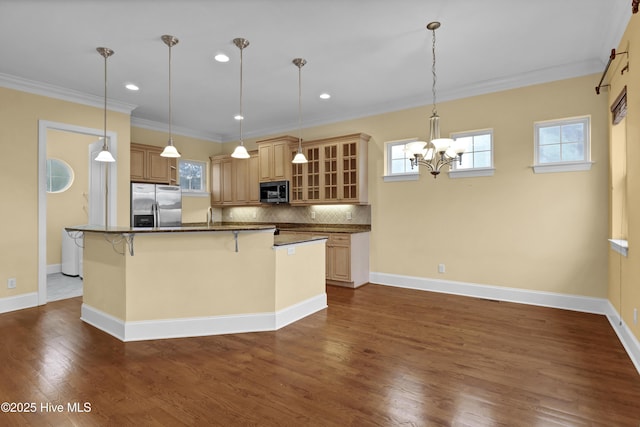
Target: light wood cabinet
275,158
305,177
148,166
336,172
234,182
347,258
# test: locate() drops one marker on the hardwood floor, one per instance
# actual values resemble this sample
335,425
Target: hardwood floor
378,356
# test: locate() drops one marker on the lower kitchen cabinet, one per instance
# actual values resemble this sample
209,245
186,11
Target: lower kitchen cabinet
347,257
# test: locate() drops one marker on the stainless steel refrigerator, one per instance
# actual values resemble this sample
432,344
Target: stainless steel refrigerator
156,205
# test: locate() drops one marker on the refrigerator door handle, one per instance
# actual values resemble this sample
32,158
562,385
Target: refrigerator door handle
156,214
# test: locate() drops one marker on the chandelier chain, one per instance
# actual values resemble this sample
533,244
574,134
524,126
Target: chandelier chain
433,71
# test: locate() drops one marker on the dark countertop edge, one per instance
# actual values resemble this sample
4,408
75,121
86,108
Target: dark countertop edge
313,228
183,229
293,240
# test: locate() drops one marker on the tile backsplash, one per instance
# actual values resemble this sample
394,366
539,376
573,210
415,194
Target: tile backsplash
319,214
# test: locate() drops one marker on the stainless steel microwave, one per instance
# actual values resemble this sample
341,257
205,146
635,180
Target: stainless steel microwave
274,192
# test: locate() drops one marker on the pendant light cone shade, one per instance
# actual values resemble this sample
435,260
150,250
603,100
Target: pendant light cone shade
105,155
240,152
299,157
170,150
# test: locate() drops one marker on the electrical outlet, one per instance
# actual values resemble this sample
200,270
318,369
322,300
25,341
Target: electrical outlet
255,214
231,215
291,250
441,268
11,283
313,215
349,216
635,316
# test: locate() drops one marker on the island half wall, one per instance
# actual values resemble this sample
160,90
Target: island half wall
189,281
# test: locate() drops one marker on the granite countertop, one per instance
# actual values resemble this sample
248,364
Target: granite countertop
184,229
325,228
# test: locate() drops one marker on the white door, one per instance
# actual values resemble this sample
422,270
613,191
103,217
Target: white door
97,186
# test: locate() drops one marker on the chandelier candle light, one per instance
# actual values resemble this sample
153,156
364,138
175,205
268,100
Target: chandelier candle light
105,155
438,152
170,150
240,152
299,157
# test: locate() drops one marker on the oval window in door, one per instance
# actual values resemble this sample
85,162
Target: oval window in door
59,175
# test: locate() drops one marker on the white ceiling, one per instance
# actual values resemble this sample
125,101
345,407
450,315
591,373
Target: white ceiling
372,56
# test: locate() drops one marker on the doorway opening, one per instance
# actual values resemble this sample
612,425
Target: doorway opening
97,175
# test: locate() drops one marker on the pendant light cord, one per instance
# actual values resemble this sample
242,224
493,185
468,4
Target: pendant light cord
300,109
105,147
170,103
241,113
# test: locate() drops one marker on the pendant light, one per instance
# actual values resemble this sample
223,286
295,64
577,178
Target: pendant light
240,152
105,155
170,150
299,157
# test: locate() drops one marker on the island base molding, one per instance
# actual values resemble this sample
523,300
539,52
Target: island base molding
201,326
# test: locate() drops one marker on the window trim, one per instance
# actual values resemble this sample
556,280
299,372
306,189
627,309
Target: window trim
195,193
396,177
572,166
474,172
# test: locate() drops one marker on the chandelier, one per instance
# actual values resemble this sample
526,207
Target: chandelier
438,152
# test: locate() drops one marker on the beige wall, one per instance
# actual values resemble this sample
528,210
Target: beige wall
194,209
19,116
624,272
544,232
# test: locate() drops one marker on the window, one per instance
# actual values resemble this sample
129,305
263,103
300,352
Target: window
398,165
562,145
193,176
59,176
477,159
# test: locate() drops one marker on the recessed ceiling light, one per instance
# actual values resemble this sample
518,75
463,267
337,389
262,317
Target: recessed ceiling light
325,96
221,57
132,87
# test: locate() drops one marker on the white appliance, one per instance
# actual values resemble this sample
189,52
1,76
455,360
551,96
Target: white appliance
156,205
71,264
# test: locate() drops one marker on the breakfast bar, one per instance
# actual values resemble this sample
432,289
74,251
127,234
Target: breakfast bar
153,283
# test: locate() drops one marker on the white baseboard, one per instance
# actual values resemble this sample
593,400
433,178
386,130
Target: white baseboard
200,326
522,296
54,268
18,302
628,340
297,311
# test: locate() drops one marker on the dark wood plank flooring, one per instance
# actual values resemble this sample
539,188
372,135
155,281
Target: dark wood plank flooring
378,356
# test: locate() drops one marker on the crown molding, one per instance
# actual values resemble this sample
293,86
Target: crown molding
62,93
177,130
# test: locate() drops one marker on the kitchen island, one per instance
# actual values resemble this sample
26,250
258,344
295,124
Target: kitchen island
152,283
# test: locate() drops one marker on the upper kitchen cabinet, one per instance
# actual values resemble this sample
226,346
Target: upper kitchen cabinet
336,171
275,158
305,177
148,166
234,182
